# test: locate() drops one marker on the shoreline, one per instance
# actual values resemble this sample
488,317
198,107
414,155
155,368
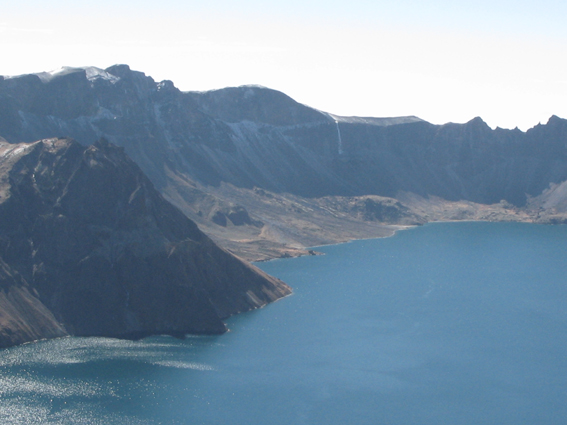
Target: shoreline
312,250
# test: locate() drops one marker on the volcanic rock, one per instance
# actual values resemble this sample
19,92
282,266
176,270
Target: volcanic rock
105,254
204,150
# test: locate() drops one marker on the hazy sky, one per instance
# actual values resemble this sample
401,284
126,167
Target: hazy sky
444,61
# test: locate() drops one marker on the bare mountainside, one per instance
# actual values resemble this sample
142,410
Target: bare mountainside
88,247
266,176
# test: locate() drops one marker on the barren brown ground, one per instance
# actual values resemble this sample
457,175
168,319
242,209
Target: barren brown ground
285,225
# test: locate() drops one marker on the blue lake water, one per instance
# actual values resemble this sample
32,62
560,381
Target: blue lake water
449,323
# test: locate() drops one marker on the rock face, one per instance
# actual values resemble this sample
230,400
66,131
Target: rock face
374,208
23,317
257,137
211,153
89,247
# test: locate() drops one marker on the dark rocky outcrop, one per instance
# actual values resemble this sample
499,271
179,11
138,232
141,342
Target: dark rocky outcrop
374,208
98,251
234,214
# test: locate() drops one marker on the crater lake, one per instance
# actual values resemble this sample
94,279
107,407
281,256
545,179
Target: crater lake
448,323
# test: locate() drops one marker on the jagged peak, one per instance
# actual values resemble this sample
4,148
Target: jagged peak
166,85
127,75
478,124
119,70
104,145
554,119
477,120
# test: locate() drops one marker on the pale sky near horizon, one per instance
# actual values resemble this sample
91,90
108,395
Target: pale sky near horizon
443,61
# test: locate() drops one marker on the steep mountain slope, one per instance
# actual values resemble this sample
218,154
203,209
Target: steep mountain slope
252,136
23,317
196,146
105,254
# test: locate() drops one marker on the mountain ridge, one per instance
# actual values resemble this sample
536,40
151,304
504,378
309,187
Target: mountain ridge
195,145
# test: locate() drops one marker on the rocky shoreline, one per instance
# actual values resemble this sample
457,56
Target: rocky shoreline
291,225
88,247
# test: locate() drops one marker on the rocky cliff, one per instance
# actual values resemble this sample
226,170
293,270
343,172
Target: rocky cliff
211,152
23,317
89,247
253,136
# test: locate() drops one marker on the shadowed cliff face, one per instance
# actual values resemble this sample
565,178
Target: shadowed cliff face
330,178
106,254
23,317
257,137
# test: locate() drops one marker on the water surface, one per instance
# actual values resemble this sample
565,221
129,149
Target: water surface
450,323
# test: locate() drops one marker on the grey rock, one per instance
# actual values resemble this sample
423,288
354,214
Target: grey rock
256,137
106,254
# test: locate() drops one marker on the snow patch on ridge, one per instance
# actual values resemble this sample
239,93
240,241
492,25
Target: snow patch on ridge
382,122
46,77
92,73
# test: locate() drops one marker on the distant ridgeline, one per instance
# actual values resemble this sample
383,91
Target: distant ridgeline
256,137
87,244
